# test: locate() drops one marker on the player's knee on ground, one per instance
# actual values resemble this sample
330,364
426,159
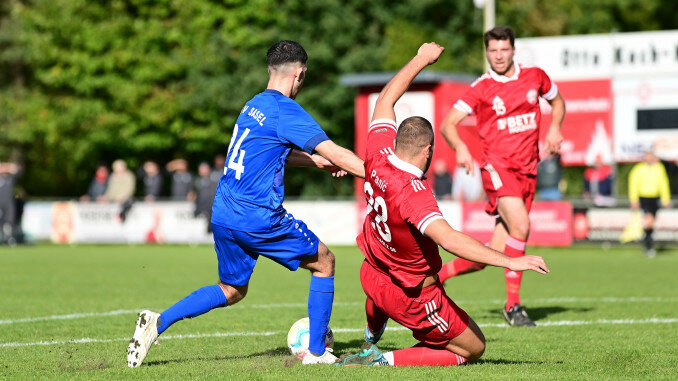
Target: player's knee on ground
233,294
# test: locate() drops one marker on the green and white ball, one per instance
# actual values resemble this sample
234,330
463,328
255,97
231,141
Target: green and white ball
298,336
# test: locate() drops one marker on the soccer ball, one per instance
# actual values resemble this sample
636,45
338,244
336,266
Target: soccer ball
298,336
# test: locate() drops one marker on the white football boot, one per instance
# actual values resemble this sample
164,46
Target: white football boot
145,334
326,358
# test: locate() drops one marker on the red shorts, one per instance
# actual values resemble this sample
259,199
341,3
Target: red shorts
430,314
499,182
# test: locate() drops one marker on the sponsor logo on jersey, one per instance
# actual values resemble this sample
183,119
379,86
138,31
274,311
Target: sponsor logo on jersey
498,106
532,96
518,123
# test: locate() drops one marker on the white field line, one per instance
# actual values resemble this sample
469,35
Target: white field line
556,323
632,299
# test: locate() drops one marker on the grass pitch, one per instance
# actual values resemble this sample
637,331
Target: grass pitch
68,312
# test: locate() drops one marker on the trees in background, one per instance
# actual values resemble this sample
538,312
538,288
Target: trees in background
85,81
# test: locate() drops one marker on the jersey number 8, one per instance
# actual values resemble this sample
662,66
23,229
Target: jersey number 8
379,206
238,167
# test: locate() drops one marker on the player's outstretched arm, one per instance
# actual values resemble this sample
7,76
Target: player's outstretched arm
428,54
451,135
342,158
470,249
298,158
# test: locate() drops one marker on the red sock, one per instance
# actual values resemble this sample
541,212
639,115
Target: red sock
515,247
458,266
425,355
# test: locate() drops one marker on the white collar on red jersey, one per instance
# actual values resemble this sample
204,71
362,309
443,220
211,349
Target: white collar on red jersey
405,166
503,78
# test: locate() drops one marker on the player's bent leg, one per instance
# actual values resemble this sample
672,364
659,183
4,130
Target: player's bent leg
515,215
320,264
320,299
233,294
470,344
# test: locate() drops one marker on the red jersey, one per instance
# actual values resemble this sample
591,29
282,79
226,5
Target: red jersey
508,115
399,208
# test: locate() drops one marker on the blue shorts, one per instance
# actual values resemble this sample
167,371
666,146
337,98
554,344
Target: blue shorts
287,243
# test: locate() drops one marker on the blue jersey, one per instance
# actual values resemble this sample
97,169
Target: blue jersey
251,190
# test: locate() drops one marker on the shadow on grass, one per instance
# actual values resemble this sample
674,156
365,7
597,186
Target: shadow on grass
540,313
275,352
511,362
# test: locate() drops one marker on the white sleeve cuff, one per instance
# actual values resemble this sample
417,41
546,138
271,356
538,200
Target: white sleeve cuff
423,224
463,107
381,123
552,93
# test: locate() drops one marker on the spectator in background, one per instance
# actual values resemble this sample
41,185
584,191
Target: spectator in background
9,172
549,173
206,187
648,183
97,188
121,186
672,172
467,186
598,183
152,179
442,183
182,180
218,170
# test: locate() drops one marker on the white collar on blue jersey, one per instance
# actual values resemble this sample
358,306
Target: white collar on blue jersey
503,78
405,166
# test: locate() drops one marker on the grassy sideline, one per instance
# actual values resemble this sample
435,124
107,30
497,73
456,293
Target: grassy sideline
67,312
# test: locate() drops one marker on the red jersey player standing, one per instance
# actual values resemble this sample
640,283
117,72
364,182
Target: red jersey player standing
506,103
400,238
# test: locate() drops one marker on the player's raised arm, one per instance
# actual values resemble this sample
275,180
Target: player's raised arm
428,54
466,247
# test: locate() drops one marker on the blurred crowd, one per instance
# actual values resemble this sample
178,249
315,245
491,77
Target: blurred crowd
174,181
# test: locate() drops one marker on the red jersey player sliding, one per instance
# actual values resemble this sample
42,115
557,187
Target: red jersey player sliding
506,103
400,239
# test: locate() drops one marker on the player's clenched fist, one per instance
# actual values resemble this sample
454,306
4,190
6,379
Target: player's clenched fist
528,262
431,51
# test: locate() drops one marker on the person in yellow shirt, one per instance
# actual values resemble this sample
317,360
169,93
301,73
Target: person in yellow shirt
648,184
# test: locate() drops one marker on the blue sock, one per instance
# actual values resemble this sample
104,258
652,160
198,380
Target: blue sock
320,298
197,303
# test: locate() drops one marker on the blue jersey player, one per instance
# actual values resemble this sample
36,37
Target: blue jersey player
248,218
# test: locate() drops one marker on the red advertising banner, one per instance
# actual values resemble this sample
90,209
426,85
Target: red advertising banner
550,223
587,128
